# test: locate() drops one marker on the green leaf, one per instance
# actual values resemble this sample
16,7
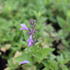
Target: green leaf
64,25
34,54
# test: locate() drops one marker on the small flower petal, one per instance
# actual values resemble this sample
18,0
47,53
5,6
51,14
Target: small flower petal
30,41
24,62
30,44
24,27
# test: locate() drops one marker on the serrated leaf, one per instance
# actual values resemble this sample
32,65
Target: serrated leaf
34,54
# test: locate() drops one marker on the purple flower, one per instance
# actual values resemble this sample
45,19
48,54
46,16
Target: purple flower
30,32
30,41
24,62
24,27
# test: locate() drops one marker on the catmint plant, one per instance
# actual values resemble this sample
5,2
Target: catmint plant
31,31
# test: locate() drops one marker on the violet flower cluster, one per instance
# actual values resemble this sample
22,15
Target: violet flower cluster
31,33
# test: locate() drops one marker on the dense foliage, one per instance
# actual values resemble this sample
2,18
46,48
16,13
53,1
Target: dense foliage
51,49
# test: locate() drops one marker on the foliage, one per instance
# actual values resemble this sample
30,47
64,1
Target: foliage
51,50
